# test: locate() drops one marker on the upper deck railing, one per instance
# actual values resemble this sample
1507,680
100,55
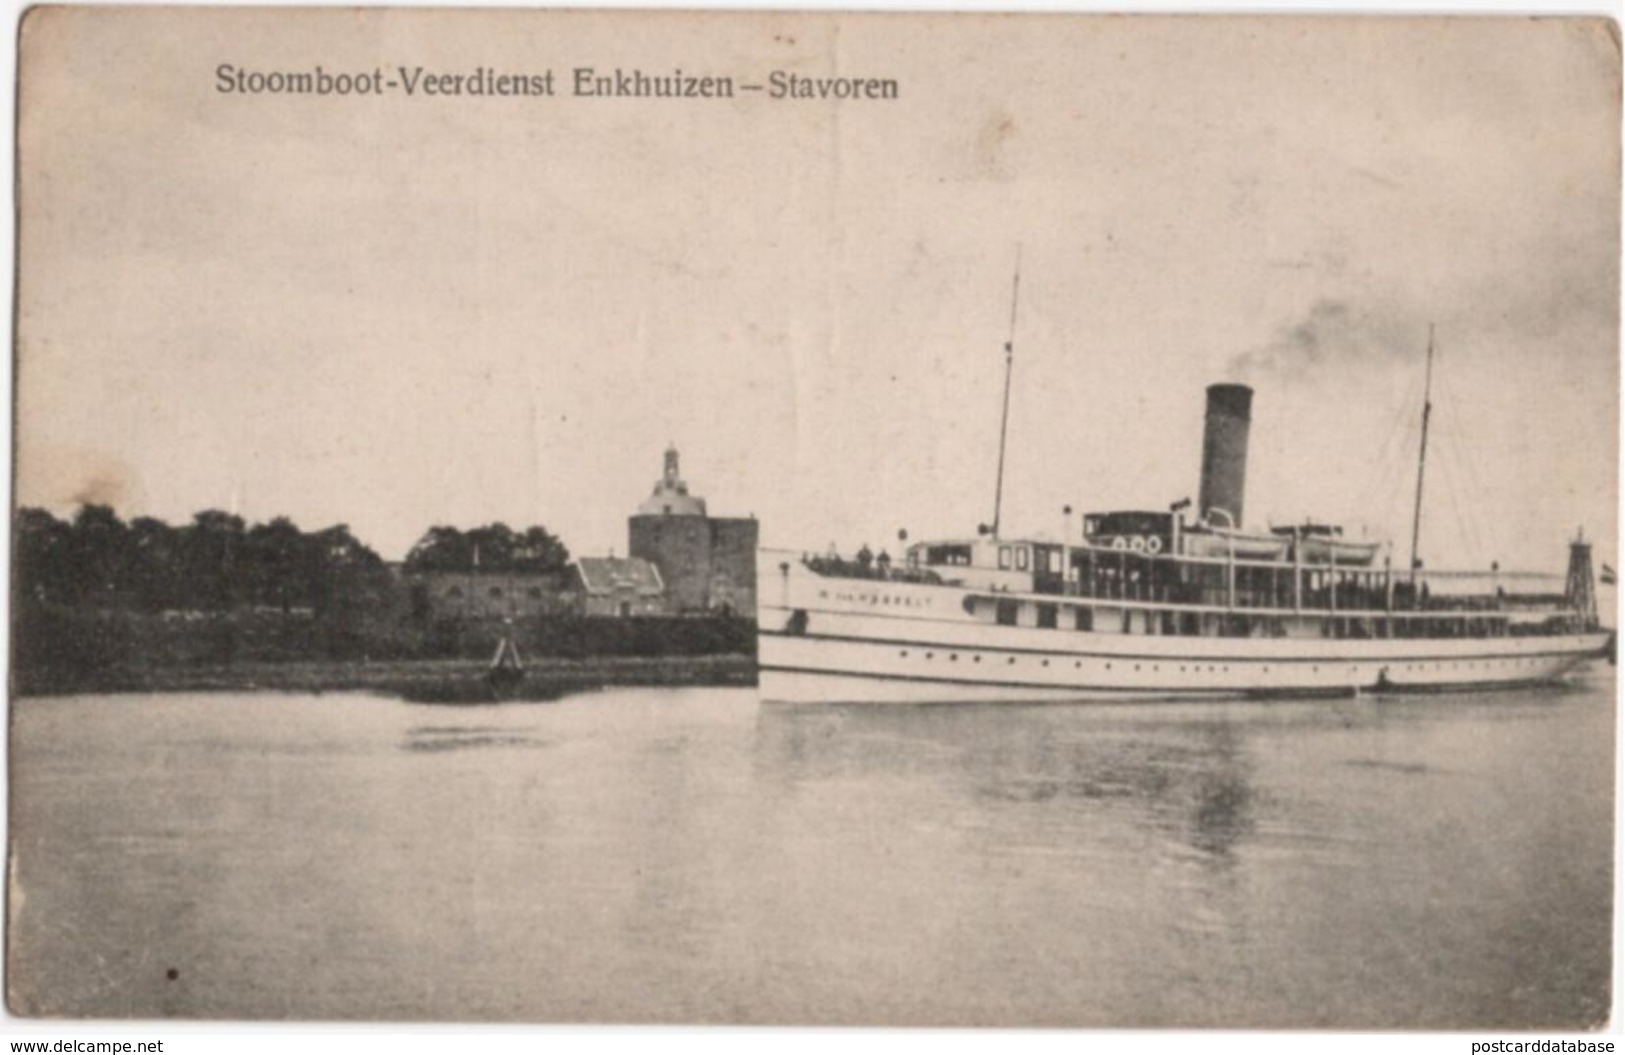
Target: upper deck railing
1209,583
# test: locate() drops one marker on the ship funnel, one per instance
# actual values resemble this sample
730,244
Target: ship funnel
1224,451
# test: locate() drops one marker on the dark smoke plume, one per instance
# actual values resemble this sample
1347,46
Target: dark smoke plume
1333,336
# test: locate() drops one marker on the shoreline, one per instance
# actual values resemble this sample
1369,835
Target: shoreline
423,681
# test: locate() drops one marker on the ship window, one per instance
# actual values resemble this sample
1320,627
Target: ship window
1084,618
1046,616
1021,558
1004,557
1007,613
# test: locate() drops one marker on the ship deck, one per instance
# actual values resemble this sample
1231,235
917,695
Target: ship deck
828,637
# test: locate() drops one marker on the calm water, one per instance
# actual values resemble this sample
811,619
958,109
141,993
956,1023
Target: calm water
693,856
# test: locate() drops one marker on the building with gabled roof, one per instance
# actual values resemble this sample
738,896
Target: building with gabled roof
620,586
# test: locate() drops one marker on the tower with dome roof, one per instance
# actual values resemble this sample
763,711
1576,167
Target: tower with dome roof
707,563
671,497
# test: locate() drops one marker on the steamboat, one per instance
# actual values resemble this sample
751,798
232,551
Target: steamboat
1155,604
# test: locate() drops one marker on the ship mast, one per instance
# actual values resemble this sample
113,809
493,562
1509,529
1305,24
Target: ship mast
1004,419
1422,458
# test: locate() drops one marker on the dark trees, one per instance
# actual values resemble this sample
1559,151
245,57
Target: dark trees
492,548
214,564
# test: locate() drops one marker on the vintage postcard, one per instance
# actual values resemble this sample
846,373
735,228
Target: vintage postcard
815,519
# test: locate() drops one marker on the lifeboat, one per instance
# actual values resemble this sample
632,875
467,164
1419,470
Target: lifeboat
1325,544
1211,541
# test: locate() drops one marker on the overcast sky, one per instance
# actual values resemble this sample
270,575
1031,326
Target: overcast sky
401,312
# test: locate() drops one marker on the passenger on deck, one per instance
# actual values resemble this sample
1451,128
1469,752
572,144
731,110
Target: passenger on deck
866,557
883,564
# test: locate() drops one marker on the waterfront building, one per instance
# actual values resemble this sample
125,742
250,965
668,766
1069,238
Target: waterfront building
437,595
619,586
707,563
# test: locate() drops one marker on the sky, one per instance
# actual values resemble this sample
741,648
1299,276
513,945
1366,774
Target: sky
397,312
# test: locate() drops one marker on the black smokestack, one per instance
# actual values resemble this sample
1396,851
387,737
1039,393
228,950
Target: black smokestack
1224,450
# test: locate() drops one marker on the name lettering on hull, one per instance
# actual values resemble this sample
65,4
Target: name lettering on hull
876,599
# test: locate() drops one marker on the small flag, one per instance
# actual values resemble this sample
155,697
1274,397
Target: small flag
1608,576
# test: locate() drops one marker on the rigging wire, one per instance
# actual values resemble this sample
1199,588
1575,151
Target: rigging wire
1366,497
1475,480
1380,498
1379,493
1479,528
1462,530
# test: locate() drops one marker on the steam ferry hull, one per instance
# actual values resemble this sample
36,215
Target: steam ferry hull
833,640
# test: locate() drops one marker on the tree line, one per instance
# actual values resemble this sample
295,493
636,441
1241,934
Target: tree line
493,548
218,562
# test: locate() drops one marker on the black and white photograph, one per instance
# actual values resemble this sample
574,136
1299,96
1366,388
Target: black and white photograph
795,519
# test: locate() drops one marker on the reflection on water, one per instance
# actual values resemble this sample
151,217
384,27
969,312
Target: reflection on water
1393,767
460,738
1187,777
694,856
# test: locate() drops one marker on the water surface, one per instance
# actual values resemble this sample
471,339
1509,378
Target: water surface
693,856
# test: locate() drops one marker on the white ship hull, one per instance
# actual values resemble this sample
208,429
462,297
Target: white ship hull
836,640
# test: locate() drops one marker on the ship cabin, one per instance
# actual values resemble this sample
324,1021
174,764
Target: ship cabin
1148,572
1142,531
994,564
